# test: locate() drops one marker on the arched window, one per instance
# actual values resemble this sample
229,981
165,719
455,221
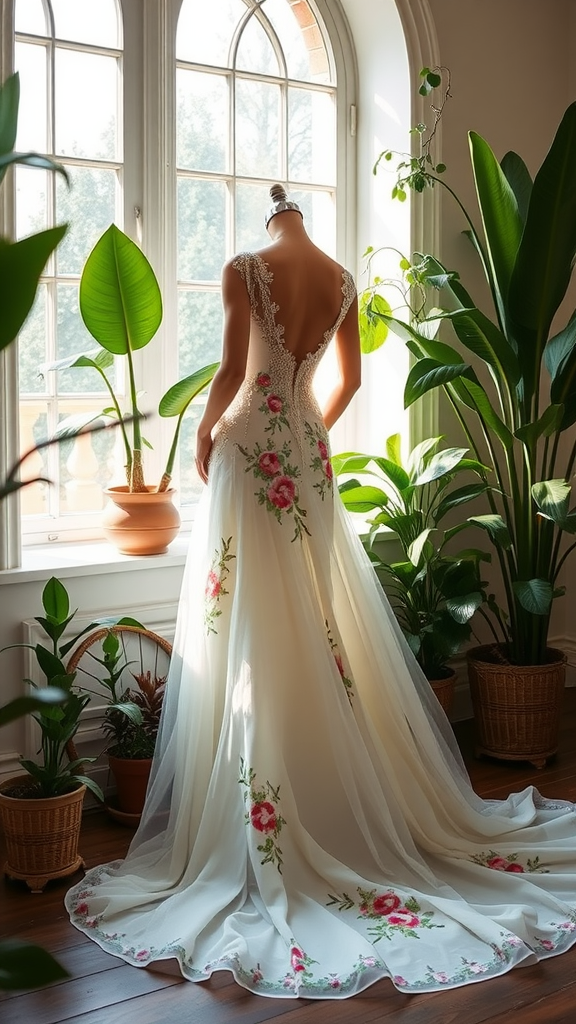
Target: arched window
69,57
255,103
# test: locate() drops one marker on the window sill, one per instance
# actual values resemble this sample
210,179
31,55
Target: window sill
70,559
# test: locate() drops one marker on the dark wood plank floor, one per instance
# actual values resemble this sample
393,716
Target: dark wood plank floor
104,990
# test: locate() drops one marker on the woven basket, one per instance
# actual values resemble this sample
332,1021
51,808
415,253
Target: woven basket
41,834
517,708
444,690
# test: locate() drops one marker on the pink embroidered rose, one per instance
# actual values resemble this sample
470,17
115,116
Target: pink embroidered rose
439,976
213,585
498,863
364,909
142,954
477,968
263,380
546,944
269,463
328,470
404,918
512,866
296,956
568,926
274,403
82,908
288,981
323,449
282,492
257,975
340,666
399,980
387,903
368,961
335,983
91,922
263,816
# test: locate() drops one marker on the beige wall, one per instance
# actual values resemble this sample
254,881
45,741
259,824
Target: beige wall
513,75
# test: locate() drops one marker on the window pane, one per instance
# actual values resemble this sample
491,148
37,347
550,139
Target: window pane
88,206
252,201
205,30
201,229
30,61
202,121
255,52
86,105
311,136
257,129
84,21
319,209
199,330
304,47
31,192
72,338
29,17
32,347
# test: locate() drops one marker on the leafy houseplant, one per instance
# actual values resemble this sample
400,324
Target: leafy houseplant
126,661
121,306
434,594
514,396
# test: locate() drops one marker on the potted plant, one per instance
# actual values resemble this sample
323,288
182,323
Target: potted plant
131,664
121,306
433,593
514,395
41,810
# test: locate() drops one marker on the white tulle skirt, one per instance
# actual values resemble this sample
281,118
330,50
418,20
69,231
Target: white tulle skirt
309,824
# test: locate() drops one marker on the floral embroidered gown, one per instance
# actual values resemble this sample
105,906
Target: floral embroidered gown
309,825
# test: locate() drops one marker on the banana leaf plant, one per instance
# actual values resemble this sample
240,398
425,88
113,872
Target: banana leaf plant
514,389
121,306
434,593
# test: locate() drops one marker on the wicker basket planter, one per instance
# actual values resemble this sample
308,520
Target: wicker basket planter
444,690
41,834
517,708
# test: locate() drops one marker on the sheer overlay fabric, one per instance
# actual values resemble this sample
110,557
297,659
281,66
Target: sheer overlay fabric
309,823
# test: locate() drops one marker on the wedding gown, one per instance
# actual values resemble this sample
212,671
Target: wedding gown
309,825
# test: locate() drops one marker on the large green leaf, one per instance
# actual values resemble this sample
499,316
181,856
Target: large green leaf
547,424
546,253
419,547
518,177
477,332
490,417
447,281
120,299
24,966
349,462
459,496
364,499
21,264
373,326
178,397
500,217
55,600
495,527
560,361
552,498
440,465
43,697
463,608
9,102
535,595
428,374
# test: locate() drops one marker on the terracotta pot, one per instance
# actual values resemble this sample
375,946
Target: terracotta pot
142,523
131,778
41,834
517,708
444,690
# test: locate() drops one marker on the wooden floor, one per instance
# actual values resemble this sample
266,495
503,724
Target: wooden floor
104,990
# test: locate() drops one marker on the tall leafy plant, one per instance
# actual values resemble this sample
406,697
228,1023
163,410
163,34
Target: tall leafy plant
121,305
514,390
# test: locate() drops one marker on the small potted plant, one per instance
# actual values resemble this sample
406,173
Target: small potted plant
121,306
41,810
131,664
434,594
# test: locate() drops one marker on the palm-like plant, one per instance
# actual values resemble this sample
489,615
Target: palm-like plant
527,248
